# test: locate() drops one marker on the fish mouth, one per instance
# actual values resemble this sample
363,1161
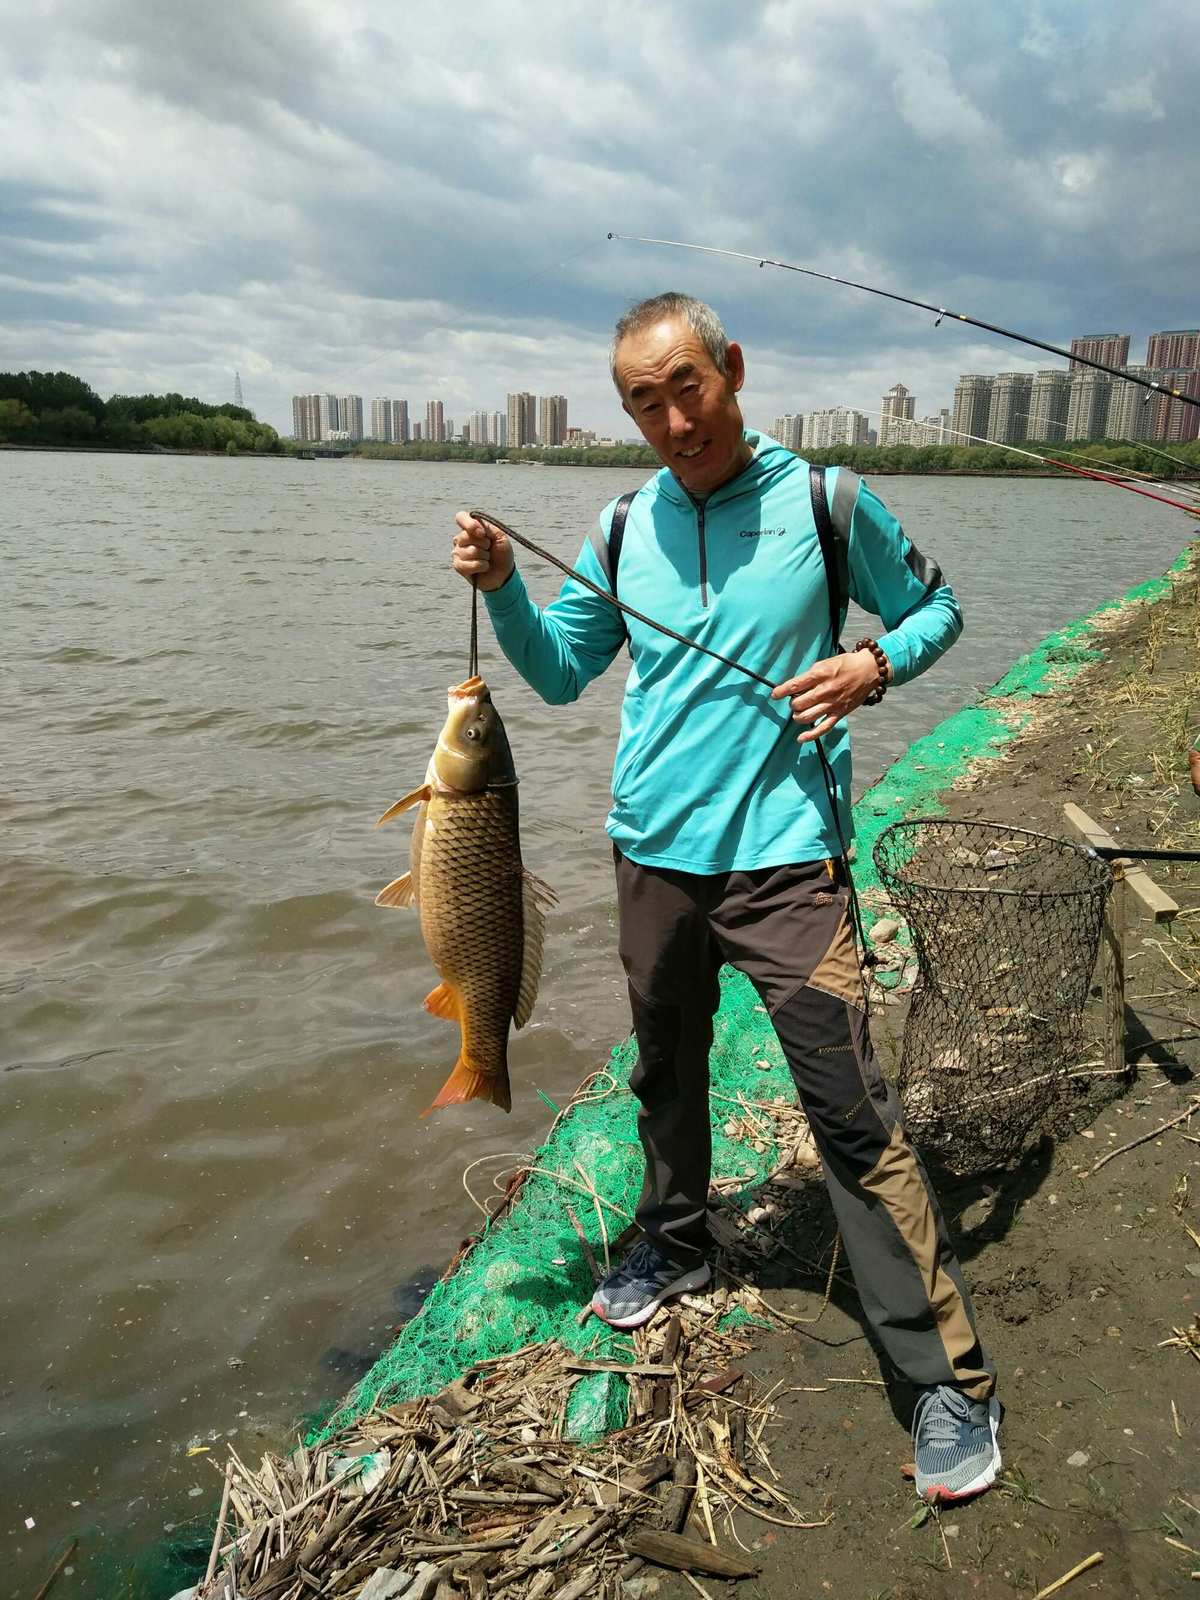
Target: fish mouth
467,690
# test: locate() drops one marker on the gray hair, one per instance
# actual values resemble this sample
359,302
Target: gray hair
702,319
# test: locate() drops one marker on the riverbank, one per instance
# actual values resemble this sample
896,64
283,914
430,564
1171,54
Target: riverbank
1078,1279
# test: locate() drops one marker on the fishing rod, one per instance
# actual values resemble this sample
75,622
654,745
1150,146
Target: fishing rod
921,305
830,781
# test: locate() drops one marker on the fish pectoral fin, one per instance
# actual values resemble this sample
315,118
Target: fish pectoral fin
399,892
416,798
534,930
443,1002
466,1082
541,891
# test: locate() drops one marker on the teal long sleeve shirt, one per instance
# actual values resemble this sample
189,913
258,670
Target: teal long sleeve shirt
708,777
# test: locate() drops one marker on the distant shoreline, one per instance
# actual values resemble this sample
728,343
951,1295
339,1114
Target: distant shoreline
519,461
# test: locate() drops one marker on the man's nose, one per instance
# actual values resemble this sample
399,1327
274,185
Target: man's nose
678,422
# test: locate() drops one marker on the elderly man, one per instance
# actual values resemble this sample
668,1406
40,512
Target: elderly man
725,841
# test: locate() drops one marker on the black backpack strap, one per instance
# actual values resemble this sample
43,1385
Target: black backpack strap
608,551
833,552
616,536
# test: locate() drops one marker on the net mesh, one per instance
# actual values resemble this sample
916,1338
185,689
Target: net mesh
526,1277
1006,925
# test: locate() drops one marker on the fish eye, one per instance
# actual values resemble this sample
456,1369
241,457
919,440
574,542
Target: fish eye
472,733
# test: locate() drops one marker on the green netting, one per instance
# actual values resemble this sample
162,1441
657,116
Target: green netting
526,1279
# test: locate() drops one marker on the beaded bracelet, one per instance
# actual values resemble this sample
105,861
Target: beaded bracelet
881,664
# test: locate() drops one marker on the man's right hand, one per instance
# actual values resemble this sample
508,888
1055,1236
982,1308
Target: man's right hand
482,552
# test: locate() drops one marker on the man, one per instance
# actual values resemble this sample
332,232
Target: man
725,844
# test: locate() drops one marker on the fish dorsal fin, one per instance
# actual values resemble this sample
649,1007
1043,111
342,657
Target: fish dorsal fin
533,897
542,892
414,799
398,893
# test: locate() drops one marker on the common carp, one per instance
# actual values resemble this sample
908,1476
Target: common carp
481,913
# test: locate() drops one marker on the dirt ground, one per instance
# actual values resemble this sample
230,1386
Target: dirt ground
1078,1278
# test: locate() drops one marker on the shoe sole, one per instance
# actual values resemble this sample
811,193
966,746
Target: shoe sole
690,1280
939,1494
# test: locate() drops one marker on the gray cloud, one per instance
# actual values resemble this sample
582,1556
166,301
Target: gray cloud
416,204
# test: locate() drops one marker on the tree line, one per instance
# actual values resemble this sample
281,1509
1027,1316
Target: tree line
1098,455
57,408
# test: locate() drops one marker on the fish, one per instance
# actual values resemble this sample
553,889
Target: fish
482,915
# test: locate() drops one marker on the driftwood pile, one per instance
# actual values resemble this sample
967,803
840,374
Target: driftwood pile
479,1492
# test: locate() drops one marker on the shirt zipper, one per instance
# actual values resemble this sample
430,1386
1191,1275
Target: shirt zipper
703,554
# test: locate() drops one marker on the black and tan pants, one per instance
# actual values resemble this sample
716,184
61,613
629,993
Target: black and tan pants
788,930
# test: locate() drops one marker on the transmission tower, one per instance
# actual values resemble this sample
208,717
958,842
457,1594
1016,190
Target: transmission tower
237,389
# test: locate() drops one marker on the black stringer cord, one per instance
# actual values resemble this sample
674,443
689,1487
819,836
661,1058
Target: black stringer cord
826,770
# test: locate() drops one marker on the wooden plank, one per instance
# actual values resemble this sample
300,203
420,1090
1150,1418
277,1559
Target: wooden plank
1154,901
687,1555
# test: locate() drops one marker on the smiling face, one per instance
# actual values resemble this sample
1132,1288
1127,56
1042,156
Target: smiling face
685,409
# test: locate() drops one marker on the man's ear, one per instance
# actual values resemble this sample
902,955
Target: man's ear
625,408
735,366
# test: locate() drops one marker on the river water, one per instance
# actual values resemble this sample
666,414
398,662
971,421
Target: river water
217,1194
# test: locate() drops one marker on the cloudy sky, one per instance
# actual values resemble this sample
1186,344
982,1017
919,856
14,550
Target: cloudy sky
413,200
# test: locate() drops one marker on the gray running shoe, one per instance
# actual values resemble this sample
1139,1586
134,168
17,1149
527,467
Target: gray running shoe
956,1443
647,1276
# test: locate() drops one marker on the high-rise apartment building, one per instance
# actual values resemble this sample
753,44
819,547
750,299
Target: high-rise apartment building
1049,397
522,420
400,422
552,419
435,422
933,429
499,428
1178,347
899,407
1087,405
972,404
1177,421
1111,348
1008,410
329,415
381,420
1133,412
789,430
306,417
480,426
834,425
350,411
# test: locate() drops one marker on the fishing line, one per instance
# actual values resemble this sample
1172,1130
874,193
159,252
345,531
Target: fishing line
921,305
1053,461
694,644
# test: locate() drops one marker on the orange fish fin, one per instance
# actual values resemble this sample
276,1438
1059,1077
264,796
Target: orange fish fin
398,893
534,929
416,798
443,1002
465,1083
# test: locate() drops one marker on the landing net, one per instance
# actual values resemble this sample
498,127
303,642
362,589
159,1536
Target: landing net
1006,925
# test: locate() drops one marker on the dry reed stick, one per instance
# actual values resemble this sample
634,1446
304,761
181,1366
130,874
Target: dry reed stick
1142,1138
216,1544
1093,1560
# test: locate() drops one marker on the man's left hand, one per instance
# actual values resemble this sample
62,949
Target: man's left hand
829,690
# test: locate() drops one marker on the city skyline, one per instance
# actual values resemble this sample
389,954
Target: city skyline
273,196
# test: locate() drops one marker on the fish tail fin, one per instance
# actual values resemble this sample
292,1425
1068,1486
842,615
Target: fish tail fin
466,1082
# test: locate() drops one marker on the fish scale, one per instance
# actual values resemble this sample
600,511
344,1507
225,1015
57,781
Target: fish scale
480,911
469,862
